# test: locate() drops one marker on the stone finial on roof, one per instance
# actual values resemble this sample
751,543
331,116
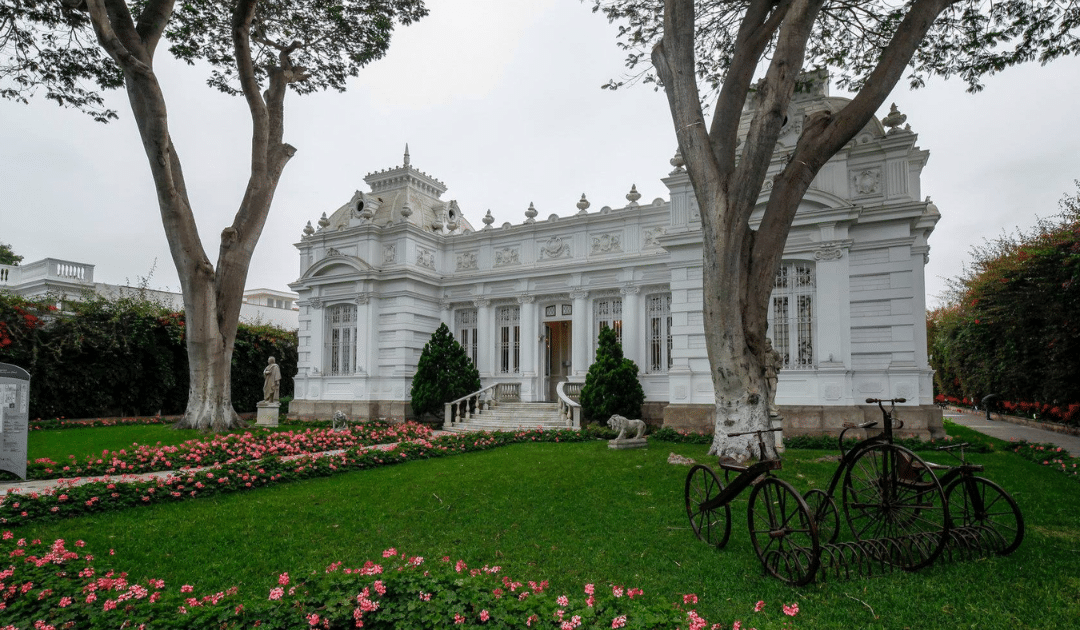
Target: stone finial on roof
406,154
530,214
323,221
894,120
633,196
583,205
308,230
677,161
488,220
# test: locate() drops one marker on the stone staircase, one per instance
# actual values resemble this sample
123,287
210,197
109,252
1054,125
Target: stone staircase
512,416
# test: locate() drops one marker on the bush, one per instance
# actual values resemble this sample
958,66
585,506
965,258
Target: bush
123,356
443,374
611,386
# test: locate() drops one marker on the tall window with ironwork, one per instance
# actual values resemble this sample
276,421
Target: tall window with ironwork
791,316
465,325
508,319
341,339
658,331
607,313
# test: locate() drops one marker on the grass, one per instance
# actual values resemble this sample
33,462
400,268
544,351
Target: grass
578,513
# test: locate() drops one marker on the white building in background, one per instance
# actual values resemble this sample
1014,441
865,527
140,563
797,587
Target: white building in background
527,300
63,279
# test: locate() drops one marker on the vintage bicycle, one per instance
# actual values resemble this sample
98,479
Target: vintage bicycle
782,528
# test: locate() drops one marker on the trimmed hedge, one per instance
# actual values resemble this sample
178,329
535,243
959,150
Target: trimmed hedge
124,357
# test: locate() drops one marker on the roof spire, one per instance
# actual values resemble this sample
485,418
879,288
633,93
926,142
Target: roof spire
406,154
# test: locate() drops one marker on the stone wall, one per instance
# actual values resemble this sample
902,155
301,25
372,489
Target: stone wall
922,421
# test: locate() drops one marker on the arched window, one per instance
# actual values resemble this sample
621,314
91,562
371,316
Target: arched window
341,339
791,315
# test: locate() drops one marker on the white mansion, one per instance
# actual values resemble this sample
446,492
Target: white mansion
527,301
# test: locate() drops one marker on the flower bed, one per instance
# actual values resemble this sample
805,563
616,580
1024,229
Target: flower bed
102,495
50,587
88,423
224,448
1051,456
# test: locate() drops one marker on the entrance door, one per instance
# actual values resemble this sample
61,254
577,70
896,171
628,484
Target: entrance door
557,347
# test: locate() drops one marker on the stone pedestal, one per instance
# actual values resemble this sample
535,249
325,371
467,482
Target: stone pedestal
777,422
628,443
267,415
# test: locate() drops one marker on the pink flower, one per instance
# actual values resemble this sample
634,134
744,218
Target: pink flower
458,619
736,626
389,553
276,593
380,588
562,600
758,607
589,589
313,619
617,591
484,615
283,579
65,602
791,610
689,598
619,621
187,588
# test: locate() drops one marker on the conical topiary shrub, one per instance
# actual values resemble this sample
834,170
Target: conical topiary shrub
611,386
443,374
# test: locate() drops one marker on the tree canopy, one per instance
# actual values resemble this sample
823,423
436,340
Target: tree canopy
611,385
8,256
444,373
1012,323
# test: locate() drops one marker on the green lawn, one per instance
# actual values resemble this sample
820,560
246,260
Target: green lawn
578,513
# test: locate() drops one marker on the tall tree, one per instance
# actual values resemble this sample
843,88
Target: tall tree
8,256
258,49
720,44
444,373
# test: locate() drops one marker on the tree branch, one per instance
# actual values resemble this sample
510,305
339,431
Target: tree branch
103,20
152,23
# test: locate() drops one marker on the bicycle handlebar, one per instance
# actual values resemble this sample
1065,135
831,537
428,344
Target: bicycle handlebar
871,401
754,432
952,446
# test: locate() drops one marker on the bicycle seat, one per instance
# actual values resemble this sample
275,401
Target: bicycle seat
729,463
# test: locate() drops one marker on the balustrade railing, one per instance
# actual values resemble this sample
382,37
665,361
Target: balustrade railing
467,407
569,407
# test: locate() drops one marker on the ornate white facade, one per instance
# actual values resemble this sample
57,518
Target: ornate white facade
527,300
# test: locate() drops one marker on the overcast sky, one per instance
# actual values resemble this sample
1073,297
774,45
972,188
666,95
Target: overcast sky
500,100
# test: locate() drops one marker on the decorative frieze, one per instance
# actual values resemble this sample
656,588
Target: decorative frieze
607,243
389,254
507,256
650,238
554,248
315,303
425,258
828,253
332,252
466,261
866,182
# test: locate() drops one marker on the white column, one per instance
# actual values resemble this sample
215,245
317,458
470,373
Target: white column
318,343
530,331
367,305
633,334
485,329
582,334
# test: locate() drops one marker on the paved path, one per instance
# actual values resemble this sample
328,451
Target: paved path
1007,431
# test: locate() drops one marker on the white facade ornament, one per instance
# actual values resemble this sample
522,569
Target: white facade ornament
315,303
607,244
579,294
530,213
678,162
332,252
389,254
630,289
308,230
488,220
866,181
446,304
651,236
828,253
526,299
633,196
363,298
323,221
425,258
554,247
481,302
583,206
466,261
507,256
893,120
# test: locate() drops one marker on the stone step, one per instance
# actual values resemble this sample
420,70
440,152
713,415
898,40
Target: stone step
512,417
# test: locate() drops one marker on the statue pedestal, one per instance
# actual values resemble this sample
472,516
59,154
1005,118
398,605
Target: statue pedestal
267,415
777,422
626,443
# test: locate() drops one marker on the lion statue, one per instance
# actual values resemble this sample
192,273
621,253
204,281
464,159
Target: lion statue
621,424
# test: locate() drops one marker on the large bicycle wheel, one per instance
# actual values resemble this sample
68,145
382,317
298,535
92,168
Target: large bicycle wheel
891,494
982,504
827,517
711,524
783,532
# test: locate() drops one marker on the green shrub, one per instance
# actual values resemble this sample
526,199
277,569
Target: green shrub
443,374
611,386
